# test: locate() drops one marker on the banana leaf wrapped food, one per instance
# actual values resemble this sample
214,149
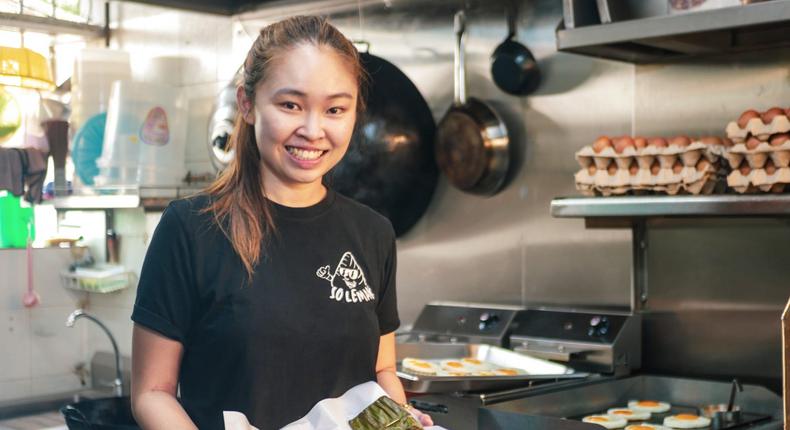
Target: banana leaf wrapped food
383,414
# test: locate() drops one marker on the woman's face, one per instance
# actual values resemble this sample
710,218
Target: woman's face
304,114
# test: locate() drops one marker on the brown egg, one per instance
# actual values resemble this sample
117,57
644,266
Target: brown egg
772,113
743,120
703,165
612,169
711,140
787,112
745,169
677,167
655,168
680,141
640,142
658,142
753,142
601,143
634,169
621,143
770,167
779,139
591,169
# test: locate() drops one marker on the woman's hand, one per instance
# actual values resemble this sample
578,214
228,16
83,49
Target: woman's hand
424,419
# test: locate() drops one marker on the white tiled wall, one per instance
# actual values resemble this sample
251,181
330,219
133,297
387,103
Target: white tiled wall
38,351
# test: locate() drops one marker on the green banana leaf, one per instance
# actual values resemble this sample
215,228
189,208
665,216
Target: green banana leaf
384,414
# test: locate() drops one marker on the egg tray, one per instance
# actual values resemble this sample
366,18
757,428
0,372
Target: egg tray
757,152
759,180
757,125
703,178
645,157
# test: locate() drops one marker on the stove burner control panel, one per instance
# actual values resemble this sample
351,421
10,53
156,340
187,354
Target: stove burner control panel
593,342
464,323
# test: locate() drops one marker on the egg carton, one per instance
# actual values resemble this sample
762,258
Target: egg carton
769,179
624,151
759,124
757,152
701,178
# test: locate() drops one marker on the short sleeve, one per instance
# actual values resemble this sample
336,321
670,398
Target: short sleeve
166,295
387,308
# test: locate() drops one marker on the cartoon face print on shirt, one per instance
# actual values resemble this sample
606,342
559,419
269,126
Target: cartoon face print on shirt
348,281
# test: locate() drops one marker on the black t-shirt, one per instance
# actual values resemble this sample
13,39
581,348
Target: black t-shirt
306,328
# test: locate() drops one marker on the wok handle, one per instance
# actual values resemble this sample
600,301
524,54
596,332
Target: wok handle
459,60
511,12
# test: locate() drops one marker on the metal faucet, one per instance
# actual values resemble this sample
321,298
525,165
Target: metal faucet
118,383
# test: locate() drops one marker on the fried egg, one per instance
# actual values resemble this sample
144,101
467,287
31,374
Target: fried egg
419,366
507,371
484,373
649,406
608,421
629,414
474,364
686,421
453,366
646,426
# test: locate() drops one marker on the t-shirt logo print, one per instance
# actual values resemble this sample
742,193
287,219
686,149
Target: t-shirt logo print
348,282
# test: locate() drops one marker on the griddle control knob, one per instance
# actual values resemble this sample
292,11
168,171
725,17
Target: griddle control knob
599,326
488,320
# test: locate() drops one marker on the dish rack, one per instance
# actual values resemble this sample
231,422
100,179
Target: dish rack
97,280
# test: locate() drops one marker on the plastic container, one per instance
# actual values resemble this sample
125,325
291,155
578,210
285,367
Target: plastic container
97,280
14,222
95,69
144,136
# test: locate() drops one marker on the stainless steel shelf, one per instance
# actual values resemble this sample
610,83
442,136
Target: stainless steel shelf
149,198
765,205
732,29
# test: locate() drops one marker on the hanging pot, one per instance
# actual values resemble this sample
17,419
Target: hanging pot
472,145
513,67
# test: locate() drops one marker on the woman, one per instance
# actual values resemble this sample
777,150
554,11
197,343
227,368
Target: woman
269,292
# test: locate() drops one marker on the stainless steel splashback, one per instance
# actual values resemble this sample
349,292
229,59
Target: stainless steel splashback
508,249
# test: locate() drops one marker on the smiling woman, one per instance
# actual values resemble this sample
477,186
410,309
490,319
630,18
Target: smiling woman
244,285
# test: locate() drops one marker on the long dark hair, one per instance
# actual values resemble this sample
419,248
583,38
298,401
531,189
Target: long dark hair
239,207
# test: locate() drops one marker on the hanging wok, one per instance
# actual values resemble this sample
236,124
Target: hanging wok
390,164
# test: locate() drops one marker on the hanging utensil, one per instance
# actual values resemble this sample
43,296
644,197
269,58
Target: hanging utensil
30,298
472,145
513,67
390,163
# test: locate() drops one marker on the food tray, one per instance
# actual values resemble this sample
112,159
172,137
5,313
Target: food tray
535,368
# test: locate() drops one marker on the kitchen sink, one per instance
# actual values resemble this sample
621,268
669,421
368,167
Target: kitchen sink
99,414
34,406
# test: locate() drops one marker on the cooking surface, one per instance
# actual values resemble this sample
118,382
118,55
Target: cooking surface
550,410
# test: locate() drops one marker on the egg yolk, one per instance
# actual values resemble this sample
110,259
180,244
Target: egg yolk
472,360
640,428
687,417
455,364
421,364
508,372
599,419
623,412
648,403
